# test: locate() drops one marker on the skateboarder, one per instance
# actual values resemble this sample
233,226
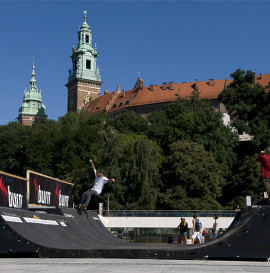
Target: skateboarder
100,181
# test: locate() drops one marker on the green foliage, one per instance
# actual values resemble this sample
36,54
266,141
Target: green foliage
134,161
194,120
243,99
246,182
193,178
181,158
11,148
129,122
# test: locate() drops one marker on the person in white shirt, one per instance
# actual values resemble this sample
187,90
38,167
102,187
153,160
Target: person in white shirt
100,181
215,228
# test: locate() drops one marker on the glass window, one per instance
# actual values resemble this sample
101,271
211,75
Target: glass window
87,39
88,64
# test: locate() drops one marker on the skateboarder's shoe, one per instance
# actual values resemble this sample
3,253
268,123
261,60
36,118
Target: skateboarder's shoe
81,206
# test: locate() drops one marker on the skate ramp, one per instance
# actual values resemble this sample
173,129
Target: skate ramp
71,233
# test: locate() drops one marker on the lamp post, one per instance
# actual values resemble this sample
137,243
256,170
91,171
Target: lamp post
108,203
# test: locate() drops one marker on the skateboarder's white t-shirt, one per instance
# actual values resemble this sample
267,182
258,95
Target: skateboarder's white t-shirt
99,183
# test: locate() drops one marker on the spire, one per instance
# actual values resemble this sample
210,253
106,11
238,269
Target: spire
33,72
85,12
32,103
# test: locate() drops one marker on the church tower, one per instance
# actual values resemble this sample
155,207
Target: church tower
32,107
84,80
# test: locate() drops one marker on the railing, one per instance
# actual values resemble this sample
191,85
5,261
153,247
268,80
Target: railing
171,213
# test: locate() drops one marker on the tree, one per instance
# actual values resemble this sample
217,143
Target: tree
134,162
11,148
192,178
248,103
129,122
194,120
245,182
40,145
78,141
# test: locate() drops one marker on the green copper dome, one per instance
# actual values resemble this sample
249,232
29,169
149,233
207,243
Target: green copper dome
32,103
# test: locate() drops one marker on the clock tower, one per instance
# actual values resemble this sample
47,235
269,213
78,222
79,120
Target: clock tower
84,79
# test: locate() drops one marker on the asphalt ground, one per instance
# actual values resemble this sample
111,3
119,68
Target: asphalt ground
78,265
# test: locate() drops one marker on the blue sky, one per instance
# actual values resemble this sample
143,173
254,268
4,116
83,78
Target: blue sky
163,40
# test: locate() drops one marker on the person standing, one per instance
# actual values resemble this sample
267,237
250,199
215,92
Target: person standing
196,230
183,226
264,159
100,181
215,228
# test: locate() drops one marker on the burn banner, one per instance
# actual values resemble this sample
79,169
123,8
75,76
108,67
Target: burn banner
48,191
13,191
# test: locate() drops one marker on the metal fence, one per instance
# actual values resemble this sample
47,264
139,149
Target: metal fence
171,213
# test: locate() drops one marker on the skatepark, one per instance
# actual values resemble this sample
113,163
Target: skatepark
64,232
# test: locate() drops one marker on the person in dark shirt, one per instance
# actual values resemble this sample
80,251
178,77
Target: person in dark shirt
183,226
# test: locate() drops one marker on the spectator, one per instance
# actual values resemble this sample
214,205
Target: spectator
197,226
183,226
215,228
264,159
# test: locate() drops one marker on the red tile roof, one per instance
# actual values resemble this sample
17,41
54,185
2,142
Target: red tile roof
117,100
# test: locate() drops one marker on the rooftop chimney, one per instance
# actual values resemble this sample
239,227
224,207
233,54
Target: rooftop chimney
106,92
164,86
124,92
260,76
171,85
211,82
151,87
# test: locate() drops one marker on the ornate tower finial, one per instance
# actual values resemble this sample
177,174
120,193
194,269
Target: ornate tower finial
139,74
33,72
85,12
32,107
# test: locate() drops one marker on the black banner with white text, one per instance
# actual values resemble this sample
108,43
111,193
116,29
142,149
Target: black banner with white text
13,191
48,191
